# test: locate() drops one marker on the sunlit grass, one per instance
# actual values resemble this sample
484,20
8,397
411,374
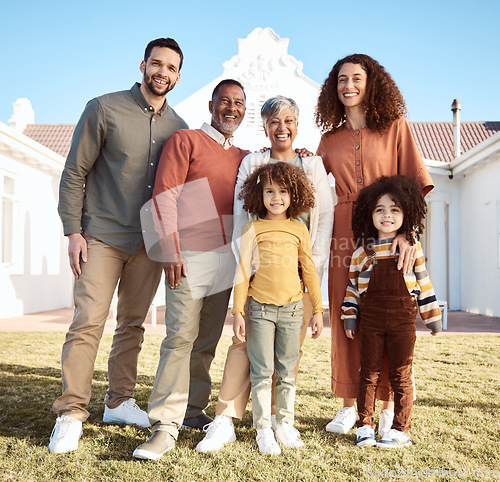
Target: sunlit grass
455,420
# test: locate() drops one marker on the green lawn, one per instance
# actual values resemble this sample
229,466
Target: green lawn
456,430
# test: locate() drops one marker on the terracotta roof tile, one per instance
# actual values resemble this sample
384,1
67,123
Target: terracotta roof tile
435,139
56,137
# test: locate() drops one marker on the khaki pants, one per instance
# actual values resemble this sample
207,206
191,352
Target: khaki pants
194,319
235,388
137,278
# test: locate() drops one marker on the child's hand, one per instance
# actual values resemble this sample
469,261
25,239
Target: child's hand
433,334
350,334
239,326
316,325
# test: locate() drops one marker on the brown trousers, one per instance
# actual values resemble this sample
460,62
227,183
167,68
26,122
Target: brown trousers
386,320
137,278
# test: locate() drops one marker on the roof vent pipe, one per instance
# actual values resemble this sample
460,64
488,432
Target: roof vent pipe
456,107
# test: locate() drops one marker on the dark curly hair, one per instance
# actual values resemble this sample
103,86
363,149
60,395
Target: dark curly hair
383,101
293,178
405,192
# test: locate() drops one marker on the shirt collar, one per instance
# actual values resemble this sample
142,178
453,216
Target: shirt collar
143,103
217,136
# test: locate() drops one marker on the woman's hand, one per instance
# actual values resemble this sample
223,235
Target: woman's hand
407,252
316,325
239,327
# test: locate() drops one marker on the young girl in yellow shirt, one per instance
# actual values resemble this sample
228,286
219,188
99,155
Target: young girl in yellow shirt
273,249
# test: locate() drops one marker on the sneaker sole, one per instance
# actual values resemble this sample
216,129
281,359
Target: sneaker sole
106,419
147,455
201,451
368,442
337,429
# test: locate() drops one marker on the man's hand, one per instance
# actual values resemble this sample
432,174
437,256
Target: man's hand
350,334
407,252
316,325
239,327
304,152
174,270
77,248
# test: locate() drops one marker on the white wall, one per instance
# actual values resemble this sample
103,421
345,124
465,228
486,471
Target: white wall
41,279
480,195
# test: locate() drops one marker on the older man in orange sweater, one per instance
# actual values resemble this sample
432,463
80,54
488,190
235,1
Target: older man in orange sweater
193,206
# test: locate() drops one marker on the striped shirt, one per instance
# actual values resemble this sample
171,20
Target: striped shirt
417,281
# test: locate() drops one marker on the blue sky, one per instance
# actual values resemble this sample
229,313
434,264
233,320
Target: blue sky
60,54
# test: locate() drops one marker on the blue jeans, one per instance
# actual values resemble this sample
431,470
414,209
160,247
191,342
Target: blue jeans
273,342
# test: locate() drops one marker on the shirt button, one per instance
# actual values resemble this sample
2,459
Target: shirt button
154,142
149,187
152,164
360,180
358,163
357,133
357,147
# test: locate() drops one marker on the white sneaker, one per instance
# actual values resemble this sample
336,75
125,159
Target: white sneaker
65,435
343,421
288,436
219,432
394,439
266,442
385,422
127,412
365,436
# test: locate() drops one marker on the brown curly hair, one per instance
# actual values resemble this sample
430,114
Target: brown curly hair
383,101
293,178
405,192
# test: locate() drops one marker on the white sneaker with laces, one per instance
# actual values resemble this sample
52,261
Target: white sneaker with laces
127,412
65,435
394,439
288,436
343,421
219,432
266,442
365,436
385,422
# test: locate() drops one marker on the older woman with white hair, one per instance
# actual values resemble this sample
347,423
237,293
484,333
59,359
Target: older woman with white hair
280,118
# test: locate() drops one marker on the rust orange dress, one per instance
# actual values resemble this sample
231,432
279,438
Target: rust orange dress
357,158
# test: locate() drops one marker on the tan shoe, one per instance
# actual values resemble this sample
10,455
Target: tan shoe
159,443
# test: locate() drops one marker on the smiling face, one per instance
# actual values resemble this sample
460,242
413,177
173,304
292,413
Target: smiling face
387,217
276,199
160,72
351,85
282,130
227,109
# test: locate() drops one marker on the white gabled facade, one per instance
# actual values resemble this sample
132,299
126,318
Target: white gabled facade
265,69
34,272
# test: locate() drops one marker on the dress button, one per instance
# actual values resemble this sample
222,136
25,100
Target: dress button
360,180
357,147
358,163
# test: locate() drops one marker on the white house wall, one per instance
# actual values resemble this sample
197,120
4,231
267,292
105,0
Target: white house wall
479,234
40,280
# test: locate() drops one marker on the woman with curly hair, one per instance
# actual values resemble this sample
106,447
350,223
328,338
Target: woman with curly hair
280,119
380,303
271,251
366,135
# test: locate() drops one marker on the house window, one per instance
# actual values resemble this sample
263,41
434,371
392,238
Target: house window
9,225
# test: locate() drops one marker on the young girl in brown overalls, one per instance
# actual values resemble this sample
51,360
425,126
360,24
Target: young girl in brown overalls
384,302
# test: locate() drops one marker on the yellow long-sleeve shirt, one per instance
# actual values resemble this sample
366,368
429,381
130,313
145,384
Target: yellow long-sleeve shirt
272,250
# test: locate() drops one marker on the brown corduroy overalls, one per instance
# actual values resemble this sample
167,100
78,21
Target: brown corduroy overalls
386,319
